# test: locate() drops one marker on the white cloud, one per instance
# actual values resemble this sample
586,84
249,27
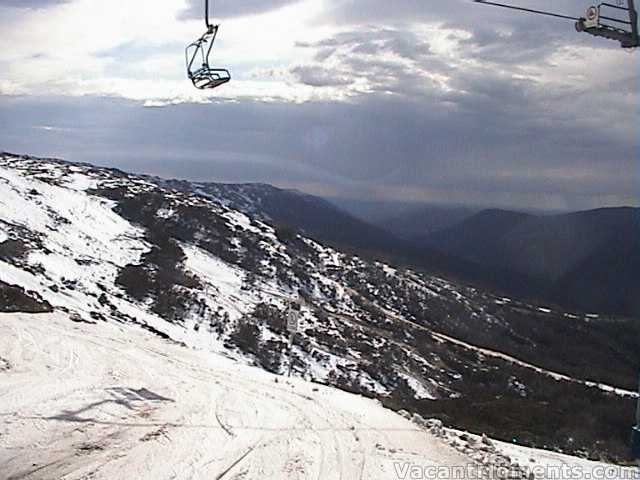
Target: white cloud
75,48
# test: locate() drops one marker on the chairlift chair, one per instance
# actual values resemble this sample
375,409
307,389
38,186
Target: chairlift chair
607,20
635,434
201,74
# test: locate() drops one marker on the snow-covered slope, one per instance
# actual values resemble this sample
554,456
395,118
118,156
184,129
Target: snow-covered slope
111,402
105,246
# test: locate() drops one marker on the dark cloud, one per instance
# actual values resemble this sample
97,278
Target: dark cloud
489,26
31,3
371,41
318,76
225,9
472,150
384,60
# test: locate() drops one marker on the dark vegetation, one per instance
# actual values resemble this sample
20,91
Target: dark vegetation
160,276
556,415
247,337
15,299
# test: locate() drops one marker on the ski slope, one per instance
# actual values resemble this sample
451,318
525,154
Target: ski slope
106,401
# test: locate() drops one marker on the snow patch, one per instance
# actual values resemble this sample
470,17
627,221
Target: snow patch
165,213
222,282
78,181
418,387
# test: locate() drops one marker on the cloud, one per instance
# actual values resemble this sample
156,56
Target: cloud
318,76
31,3
226,9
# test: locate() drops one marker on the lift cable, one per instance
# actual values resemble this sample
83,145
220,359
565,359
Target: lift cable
529,10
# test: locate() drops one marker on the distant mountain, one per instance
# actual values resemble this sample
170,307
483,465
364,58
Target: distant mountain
405,219
479,237
424,220
589,260
543,257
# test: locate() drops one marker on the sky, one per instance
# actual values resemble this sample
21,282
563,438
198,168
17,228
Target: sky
437,101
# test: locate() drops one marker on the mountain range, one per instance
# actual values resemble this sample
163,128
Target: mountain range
587,260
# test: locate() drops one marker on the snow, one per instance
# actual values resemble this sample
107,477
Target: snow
70,220
418,387
241,220
16,276
109,401
80,182
85,241
534,464
387,269
165,213
223,282
206,265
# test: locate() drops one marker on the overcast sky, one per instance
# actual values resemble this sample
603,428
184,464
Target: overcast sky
443,101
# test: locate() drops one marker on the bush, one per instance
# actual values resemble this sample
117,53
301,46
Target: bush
285,234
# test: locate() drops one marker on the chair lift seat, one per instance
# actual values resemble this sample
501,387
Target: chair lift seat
207,77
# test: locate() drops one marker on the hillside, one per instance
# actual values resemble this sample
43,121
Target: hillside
586,260
307,214
104,246
421,221
479,238
517,254
295,212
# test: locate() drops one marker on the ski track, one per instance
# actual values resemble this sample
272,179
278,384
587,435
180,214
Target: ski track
555,375
109,401
508,358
